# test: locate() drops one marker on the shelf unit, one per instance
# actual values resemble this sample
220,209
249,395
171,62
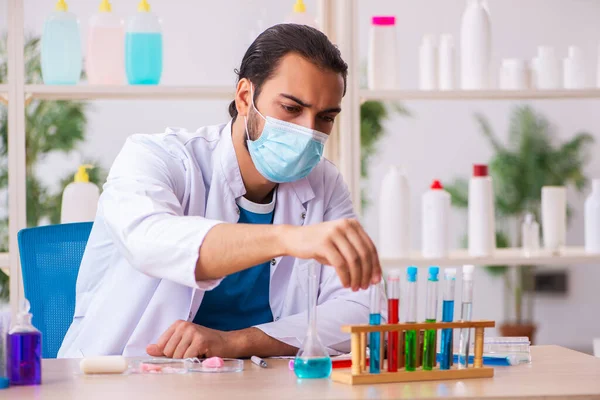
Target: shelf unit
510,256
338,19
91,92
461,95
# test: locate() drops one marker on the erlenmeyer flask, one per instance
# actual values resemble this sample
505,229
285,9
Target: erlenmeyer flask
312,360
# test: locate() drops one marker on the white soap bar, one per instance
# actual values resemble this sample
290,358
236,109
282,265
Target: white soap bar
103,365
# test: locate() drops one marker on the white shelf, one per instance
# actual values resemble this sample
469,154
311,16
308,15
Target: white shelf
126,92
399,95
511,256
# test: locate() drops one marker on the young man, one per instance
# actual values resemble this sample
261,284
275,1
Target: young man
198,245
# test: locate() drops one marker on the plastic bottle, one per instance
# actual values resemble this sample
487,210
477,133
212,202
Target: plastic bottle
547,68
394,215
382,62
592,219
436,221
24,350
514,74
143,47
475,46
61,47
574,69
554,217
301,17
598,69
428,65
447,63
530,234
105,64
80,198
482,227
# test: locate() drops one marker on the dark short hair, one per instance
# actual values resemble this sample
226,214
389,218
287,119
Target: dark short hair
265,53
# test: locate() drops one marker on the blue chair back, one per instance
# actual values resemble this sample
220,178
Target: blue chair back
50,259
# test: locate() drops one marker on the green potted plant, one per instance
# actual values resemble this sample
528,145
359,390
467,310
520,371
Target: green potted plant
530,159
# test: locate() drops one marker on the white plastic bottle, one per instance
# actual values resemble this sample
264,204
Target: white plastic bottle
447,63
514,74
394,215
547,68
382,63
428,64
598,69
80,198
592,219
105,63
482,226
300,16
475,47
435,232
530,235
574,69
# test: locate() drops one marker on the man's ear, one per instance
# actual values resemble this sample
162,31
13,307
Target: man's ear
243,100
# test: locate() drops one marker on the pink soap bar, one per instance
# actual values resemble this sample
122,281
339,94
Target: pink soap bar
213,362
150,368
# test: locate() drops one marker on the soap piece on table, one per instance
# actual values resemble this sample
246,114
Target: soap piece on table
103,365
213,362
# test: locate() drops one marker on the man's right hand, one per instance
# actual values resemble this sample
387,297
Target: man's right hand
342,244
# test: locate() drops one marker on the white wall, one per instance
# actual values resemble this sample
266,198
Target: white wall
205,41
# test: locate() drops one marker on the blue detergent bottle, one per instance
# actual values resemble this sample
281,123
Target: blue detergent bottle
143,47
61,47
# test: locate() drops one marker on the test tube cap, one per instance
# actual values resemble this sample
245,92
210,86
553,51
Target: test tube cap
468,272
450,273
433,273
394,274
411,274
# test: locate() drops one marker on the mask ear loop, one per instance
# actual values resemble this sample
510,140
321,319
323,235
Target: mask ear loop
255,109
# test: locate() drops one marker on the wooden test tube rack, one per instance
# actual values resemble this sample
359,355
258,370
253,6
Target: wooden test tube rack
359,373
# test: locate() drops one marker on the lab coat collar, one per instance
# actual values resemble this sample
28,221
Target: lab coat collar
233,176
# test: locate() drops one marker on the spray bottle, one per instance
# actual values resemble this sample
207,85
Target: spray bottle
24,350
80,198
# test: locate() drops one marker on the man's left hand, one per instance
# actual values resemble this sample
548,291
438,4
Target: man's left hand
185,339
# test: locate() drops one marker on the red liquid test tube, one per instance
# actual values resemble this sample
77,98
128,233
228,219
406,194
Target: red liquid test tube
393,318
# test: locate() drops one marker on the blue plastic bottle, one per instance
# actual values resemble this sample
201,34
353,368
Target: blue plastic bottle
143,47
61,47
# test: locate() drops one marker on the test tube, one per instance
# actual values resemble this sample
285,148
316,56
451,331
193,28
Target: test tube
393,286
448,316
411,316
375,337
430,345
465,315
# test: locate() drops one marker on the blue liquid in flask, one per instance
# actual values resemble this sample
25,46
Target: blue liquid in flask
312,368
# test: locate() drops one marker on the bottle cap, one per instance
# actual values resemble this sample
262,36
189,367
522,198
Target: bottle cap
82,174
4,382
468,272
394,275
299,7
446,39
575,52
480,170
450,273
529,218
143,6
411,274
433,273
105,6
61,5
383,21
428,40
436,185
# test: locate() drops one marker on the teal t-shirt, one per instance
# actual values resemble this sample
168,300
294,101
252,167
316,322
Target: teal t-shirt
242,299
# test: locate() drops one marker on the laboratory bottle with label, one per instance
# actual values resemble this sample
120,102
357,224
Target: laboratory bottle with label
436,221
143,47
61,47
481,219
80,198
105,64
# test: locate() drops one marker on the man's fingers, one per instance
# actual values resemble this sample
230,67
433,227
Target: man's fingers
154,351
184,344
375,263
193,349
164,338
335,259
173,342
352,260
362,249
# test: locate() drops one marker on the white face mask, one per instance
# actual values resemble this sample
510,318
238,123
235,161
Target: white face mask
285,152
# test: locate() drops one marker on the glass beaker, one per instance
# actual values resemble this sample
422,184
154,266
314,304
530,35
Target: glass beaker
312,360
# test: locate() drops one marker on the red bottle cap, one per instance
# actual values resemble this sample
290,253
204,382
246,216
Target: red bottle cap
480,170
436,185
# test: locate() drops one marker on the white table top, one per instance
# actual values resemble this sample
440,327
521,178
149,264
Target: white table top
555,372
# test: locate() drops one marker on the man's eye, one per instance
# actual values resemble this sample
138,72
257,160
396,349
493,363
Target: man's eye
290,109
327,118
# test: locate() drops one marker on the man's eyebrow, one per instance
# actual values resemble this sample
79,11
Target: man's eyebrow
303,104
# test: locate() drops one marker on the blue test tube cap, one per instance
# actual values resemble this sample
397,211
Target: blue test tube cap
433,273
4,382
411,274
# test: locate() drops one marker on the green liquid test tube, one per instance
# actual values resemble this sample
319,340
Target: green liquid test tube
411,316
430,344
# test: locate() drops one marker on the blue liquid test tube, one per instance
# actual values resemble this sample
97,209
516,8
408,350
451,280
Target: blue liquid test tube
448,316
375,337
465,315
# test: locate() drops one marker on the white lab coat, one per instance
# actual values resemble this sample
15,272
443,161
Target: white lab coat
163,194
